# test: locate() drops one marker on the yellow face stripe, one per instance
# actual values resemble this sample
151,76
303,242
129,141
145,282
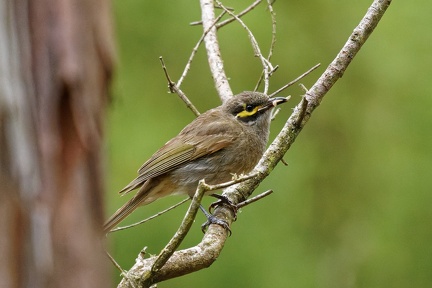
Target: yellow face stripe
245,113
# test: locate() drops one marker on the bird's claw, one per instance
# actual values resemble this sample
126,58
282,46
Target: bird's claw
211,219
223,201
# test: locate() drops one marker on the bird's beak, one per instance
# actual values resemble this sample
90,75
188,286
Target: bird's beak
273,102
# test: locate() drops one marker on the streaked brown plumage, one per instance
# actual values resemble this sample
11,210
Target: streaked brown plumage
226,140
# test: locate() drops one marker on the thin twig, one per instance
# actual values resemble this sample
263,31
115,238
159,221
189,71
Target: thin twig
195,50
170,82
174,88
123,273
239,15
295,80
262,77
236,180
272,43
303,87
273,18
303,107
151,217
225,22
178,237
253,199
267,66
229,8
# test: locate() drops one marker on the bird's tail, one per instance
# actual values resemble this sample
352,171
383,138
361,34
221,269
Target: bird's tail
129,207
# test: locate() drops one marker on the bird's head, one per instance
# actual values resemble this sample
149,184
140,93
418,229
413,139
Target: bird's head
252,108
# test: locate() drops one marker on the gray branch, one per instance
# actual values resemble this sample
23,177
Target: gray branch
213,51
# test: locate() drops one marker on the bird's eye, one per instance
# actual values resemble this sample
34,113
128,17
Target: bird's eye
249,108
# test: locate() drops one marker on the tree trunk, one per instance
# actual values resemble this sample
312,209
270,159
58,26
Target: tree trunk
55,66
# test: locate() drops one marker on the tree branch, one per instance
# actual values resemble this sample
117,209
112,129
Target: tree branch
205,253
195,50
241,14
272,44
186,224
295,80
213,51
174,88
150,218
267,66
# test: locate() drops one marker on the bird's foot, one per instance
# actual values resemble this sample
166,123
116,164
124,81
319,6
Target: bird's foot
211,219
223,201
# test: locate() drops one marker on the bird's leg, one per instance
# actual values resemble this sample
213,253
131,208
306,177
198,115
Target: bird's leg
211,219
222,200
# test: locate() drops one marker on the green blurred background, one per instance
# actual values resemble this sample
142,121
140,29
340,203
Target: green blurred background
353,208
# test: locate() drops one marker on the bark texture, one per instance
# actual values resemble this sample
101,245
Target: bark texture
55,65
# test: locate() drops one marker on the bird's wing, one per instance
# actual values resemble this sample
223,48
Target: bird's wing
183,148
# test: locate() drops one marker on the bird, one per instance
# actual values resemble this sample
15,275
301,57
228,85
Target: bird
224,141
